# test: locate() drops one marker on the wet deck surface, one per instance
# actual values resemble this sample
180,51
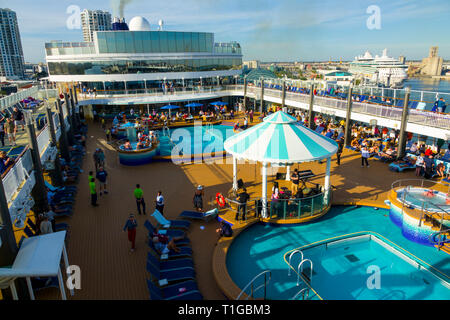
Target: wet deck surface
98,245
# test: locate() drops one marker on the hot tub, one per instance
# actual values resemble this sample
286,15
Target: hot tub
137,157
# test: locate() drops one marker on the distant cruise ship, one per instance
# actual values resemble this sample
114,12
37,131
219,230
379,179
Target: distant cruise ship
384,69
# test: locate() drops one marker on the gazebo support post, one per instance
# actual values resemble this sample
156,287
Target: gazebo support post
264,190
288,173
235,186
327,181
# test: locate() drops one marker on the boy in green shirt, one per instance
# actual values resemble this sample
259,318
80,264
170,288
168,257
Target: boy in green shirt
93,191
139,195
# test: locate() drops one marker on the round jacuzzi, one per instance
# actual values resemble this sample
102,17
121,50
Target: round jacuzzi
413,209
136,157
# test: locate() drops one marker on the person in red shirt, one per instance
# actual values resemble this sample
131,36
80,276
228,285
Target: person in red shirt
428,152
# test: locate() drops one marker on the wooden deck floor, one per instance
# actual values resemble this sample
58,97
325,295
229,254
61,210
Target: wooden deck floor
98,245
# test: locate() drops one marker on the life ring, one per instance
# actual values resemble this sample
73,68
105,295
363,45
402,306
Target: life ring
220,200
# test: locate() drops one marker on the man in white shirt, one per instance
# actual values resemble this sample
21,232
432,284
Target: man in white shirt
160,202
364,157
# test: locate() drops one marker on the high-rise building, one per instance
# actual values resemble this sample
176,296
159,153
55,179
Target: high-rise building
94,20
11,53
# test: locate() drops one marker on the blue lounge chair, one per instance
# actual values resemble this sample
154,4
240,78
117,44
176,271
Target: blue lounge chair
169,293
170,233
171,276
56,189
401,167
166,265
206,216
170,223
185,252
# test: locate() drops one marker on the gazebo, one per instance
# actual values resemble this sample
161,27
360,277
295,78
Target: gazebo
280,140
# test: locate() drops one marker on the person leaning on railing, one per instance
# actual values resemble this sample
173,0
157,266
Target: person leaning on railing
242,198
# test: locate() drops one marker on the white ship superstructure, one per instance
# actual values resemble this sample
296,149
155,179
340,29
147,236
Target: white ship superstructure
384,69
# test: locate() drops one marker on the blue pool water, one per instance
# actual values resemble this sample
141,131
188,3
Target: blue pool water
345,270
195,140
416,197
262,247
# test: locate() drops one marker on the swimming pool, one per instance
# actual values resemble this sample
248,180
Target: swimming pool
262,247
194,140
365,267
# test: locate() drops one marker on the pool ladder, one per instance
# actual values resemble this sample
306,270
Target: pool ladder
300,266
166,131
304,292
251,285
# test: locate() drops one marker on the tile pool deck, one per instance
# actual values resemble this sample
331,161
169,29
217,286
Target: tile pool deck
98,245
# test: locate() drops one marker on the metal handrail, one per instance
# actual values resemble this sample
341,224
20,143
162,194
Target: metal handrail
251,284
304,291
399,182
290,258
300,270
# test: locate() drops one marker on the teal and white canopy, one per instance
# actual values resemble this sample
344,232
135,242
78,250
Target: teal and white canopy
279,139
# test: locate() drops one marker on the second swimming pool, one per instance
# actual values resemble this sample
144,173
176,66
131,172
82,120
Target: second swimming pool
262,247
194,140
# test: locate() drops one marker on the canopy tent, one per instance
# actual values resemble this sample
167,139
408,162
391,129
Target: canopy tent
170,107
280,140
39,256
193,105
218,103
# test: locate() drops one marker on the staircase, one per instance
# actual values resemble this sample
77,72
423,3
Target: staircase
441,240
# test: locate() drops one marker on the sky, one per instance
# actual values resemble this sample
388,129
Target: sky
268,30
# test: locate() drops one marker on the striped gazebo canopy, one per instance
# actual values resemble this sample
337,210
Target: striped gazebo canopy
279,139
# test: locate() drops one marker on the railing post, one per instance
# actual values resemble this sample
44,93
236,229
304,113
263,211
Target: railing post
39,190
64,145
72,105
348,118
245,94
70,136
261,107
311,105
57,172
265,284
8,250
402,137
